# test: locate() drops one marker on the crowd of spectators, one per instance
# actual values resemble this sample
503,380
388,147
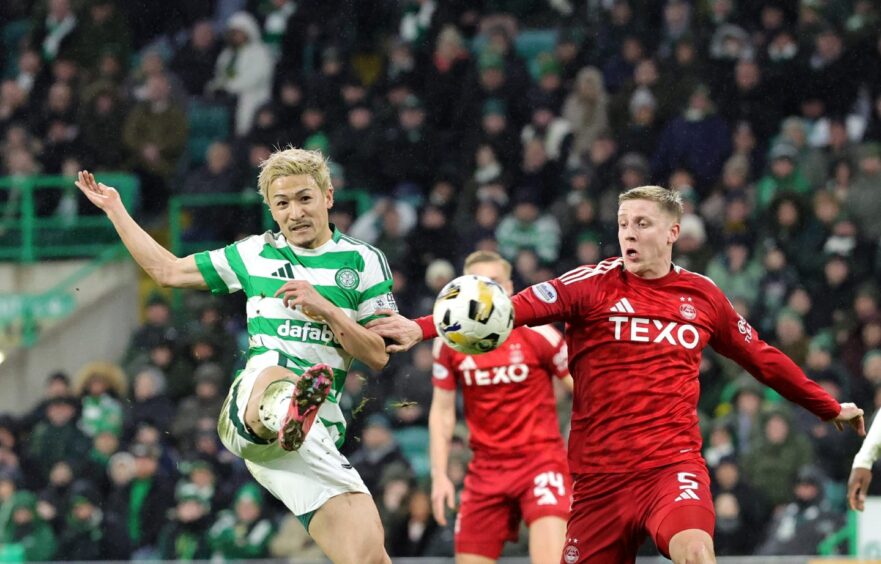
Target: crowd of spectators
452,126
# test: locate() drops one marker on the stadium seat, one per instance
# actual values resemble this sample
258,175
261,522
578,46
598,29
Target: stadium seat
414,444
13,32
208,123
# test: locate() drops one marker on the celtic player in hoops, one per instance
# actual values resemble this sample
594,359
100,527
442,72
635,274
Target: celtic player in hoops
310,289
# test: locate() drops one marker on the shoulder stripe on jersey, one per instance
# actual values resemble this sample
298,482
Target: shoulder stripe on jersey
386,271
209,274
585,272
550,334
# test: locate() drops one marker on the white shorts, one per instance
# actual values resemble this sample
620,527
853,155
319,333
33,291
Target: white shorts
303,479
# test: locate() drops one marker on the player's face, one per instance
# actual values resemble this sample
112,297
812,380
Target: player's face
495,271
646,235
301,210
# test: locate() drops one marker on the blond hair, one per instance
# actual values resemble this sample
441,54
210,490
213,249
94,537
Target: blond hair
478,257
291,162
669,201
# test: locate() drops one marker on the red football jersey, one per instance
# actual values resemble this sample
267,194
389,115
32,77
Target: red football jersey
634,352
509,399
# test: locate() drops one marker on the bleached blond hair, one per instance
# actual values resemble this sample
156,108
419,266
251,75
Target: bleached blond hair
291,162
669,201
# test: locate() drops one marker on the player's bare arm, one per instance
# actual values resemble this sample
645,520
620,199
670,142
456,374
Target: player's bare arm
402,332
362,343
441,422
162,266
857,488
861,472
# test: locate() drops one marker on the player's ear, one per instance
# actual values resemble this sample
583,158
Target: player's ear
673,234
328,197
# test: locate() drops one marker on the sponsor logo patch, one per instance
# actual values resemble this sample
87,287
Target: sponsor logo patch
545,292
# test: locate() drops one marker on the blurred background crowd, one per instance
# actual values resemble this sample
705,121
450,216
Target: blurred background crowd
452,125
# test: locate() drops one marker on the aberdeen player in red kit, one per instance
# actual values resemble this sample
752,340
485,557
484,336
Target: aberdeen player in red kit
519,467
635,327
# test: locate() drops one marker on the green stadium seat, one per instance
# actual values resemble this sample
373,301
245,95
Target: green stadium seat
414,444
208,123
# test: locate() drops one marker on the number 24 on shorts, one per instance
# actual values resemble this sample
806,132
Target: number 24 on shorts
545,483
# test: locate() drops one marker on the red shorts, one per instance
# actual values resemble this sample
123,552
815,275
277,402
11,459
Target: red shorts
613,513
498,493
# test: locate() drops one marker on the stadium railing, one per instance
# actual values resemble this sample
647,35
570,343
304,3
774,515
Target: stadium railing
27,236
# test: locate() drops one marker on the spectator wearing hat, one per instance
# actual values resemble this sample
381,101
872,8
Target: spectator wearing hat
88,533
244,69
491,81
643,129
833,74
56,438
735,271
548,87
185,536
805,521
101,123
496,132
618,68
748,99
778,280
141,503
100,386
25,533
433,238
204,403
691,250
103,29
586,108
56,35
525,227
783,177
243,532
377,451
698,139
836,286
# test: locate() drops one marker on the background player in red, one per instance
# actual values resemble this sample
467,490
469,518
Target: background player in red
635,327
519,467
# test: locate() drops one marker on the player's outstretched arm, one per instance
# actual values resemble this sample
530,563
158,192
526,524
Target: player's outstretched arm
402,332
162,266
441,422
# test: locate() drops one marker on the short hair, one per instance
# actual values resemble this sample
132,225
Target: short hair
669,201
290,162
478,257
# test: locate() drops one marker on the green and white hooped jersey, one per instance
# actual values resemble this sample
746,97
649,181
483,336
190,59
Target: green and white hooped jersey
351,274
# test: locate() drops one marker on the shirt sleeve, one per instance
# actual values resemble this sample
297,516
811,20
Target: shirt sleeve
377,284
553,351
736,339
870,452
223,269
442,375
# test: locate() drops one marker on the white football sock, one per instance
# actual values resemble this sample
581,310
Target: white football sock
274,404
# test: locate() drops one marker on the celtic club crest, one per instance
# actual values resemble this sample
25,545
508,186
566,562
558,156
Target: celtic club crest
347,279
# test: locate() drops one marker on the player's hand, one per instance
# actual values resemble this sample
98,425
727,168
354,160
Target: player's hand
857,486
403,332
303,294
104,197
443,495
851,415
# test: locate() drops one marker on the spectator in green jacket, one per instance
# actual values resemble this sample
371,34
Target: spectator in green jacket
783,176
244,532
23,526
185,536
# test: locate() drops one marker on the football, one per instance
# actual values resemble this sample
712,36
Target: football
473,314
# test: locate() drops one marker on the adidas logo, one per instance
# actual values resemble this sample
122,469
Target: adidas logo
623,306
467,364
287,271
687,494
